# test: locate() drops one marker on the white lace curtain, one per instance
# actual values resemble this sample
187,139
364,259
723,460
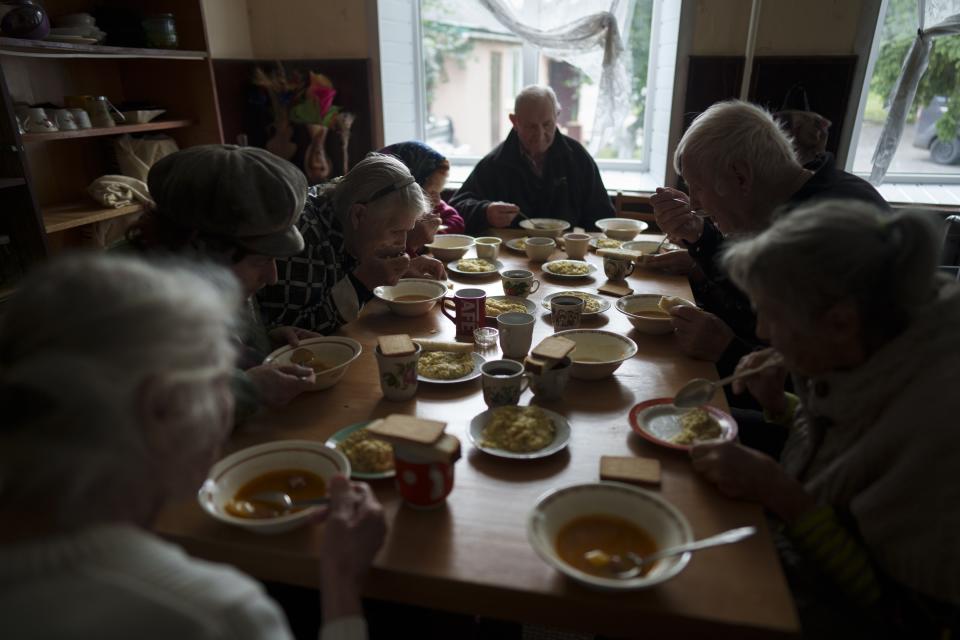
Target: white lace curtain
936,18
586,35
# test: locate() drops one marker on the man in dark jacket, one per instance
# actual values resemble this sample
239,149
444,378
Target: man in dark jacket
536,170
741,170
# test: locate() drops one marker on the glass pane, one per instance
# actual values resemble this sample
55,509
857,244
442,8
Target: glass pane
474,68
930,144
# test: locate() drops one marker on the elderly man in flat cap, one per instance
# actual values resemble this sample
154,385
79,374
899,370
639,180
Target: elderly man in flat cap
236,206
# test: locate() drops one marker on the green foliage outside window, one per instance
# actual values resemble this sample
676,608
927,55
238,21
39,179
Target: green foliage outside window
942,77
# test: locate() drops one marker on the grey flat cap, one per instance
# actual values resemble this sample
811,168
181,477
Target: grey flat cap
244,193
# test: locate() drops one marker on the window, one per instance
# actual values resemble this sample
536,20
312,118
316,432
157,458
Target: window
929,150
474,66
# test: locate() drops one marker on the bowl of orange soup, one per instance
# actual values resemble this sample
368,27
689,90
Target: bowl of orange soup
571,527
411,296
302,469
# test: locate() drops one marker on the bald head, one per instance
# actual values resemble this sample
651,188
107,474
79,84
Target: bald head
536,96
535,119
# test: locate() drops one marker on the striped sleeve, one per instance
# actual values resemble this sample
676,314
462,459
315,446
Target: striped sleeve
839,555
786,417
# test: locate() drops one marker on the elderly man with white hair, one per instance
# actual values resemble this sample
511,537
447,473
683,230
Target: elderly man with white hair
740,167
537,170
115,388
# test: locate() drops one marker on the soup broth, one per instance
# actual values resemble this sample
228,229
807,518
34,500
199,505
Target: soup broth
656,314
411,298
296,483
612,536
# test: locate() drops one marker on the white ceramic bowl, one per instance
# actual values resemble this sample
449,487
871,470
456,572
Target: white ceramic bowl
544,227
634,307
598,353
336,351
432,289
621,228
540,249
648,246
233,472
449,247
142,116
664,522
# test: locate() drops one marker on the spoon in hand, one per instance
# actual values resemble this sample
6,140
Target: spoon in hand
727,537
536,225
698,391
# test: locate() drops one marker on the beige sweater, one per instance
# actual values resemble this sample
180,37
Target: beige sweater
120,582
883,442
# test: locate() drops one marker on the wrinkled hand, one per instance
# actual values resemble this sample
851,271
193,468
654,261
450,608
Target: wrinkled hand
766,386
277,386
383,266
676,219
426,267
423,232
355,529
745,474
292,336
700,334
678,263
501,214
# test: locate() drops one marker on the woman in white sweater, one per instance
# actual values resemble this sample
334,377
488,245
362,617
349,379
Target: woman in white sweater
114,387
850,299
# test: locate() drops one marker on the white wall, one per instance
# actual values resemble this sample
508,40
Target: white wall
228,28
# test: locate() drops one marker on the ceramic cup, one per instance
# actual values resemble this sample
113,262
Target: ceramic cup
617,269
488,248
540,249
38,122
576,245
422,481
550,384
398,375
519,282
65,120
566,312
81,118
503,382
469,310
516,334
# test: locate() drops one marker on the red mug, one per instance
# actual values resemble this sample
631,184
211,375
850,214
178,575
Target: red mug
424,482
470,306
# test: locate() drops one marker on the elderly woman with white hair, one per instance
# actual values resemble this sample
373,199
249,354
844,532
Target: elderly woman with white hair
740,167
851,302
355,229
114,383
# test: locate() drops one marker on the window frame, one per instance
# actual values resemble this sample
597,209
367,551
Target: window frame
872,51
530,65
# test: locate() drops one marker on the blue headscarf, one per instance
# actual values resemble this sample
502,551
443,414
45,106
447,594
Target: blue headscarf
420,159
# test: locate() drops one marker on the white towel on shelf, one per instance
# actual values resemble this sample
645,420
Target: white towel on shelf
119,191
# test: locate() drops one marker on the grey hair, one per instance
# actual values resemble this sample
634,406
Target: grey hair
536,93
737,132
77,343
834,250
375,172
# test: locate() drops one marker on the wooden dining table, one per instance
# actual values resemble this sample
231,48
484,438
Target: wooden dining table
472,555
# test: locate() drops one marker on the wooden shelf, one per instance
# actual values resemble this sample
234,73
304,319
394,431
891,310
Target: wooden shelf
161,125
69,216
6,183
46,48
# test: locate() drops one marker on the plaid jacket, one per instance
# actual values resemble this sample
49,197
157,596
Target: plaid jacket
313,289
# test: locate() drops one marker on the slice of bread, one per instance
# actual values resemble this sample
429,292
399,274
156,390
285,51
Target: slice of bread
669,302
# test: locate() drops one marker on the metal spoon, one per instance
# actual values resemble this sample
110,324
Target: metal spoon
282,500
698,391
700,213
727,537
536,225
